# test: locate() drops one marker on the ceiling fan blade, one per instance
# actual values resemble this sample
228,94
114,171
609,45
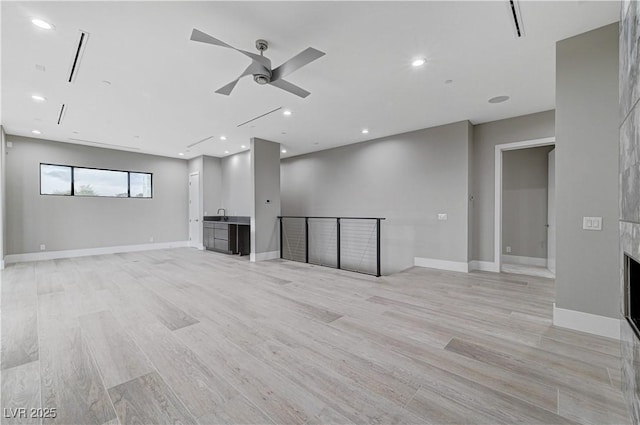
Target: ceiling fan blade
226,90
298,61
291,88
197,35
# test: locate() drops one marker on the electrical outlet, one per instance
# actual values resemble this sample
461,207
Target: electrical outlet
508,249
42,247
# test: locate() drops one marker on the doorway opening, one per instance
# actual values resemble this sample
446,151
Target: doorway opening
195,225
525,208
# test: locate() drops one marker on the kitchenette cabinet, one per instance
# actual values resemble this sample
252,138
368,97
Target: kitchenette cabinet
229,236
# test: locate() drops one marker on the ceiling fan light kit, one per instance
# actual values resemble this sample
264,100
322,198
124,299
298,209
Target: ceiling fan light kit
260,66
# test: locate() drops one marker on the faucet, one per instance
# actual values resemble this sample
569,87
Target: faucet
224,213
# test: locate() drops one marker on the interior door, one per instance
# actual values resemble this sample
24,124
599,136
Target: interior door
195,229
551,213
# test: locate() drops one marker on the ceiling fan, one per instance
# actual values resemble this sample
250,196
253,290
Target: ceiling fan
260,66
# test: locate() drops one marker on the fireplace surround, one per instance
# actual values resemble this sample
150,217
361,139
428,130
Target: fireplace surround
629,84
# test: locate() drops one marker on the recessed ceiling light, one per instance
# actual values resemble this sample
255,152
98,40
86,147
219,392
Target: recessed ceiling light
283,151
223,138
418,62
106,82
36,131
226,151
243,147
365,131
181,154
38,98
498,99
41,24
287,112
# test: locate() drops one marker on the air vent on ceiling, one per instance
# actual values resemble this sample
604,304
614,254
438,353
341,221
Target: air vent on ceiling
199,141
104,144
259,116
63,109
77,55
516,17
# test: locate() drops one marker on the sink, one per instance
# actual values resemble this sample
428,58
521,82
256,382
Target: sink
228,219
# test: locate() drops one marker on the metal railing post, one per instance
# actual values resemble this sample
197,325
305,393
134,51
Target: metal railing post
281,240
338,241
306,239
377,247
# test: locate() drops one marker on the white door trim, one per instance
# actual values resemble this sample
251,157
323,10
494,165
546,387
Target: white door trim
497,211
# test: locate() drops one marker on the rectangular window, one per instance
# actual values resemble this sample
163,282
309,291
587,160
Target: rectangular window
90,182
81,181
55,180
140,185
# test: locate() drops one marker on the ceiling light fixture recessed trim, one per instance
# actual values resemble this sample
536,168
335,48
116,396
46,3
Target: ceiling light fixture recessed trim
36,131
287,112
40,23
38,98
498,99
283,151
365,131
181,153
418,62
223,138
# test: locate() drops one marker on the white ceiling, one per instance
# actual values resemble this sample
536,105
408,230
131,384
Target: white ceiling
162,84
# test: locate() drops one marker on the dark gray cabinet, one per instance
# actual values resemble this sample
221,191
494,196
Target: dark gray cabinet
219,237
231,235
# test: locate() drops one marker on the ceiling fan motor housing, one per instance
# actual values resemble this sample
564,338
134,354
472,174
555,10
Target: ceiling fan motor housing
261,78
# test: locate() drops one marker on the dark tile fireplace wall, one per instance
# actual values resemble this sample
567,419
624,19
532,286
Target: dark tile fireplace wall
630,188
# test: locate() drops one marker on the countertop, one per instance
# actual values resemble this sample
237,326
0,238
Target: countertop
232,219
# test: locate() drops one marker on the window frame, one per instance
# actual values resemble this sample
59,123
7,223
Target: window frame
72,194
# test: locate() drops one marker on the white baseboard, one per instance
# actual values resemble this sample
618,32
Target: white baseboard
524,261
455,266
264,256
586,322
52,255
485,266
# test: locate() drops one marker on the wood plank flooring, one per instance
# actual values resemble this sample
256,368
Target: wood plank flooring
185,336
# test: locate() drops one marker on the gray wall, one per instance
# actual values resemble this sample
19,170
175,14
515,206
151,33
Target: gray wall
265,176
485,138
236,184
212,185
524,201
587,171
408,178
3,202
65,222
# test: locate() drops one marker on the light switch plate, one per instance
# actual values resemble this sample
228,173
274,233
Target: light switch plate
592,223
443,216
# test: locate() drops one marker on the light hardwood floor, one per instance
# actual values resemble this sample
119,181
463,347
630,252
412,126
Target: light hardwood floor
184,336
